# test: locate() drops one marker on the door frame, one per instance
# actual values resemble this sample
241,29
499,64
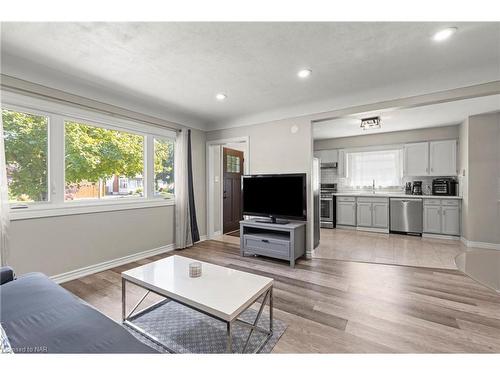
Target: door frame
210,178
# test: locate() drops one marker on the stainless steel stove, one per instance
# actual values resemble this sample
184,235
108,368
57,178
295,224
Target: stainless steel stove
327,218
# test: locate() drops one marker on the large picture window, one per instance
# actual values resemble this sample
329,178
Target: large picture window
65,160
102,163
26,155
382,166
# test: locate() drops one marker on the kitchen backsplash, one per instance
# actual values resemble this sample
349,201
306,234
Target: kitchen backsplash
330,176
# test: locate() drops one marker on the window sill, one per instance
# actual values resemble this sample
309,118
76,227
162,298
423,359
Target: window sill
79,208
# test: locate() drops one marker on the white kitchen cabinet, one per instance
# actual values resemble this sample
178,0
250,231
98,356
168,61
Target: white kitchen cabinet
442,216
346,212
341,169
435,158
380,215
364,217
327,156
416,159
450,220
443,158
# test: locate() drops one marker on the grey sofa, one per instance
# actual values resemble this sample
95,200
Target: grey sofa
39,316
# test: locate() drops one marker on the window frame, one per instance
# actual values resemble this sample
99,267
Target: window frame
153,192
57,114
392,147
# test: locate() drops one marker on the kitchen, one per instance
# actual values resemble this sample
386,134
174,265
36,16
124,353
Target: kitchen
395,179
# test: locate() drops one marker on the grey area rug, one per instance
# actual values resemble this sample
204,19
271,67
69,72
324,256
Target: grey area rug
188,331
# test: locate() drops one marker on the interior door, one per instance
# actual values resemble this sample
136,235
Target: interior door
232,172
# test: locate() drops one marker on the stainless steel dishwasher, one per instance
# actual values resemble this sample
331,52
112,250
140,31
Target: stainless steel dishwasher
406,215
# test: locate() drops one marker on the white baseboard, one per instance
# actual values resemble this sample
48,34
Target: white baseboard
480,245
440,236
85,271
376,230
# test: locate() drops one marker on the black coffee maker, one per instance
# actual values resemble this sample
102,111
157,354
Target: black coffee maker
408,188
417,188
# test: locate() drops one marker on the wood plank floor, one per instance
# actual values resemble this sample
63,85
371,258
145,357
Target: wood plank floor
334,306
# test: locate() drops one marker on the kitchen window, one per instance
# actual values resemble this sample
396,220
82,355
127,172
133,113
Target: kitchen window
63,160
383,166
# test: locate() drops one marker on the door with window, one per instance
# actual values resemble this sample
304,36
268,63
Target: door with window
232,171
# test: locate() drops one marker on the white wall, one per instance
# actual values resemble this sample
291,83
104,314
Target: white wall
56,245
274,148
483,210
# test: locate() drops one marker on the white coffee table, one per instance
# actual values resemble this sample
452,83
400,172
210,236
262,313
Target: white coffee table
220,292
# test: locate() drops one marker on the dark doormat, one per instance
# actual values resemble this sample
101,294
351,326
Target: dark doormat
235,233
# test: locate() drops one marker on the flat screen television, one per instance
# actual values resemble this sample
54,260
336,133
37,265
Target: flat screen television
275,196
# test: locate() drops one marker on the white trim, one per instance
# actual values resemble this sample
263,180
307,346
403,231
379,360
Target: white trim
77,208
348,227
210,176
481,245
370,229
99,267
94,118
440,236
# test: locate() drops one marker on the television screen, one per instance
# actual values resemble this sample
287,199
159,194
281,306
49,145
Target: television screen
281,196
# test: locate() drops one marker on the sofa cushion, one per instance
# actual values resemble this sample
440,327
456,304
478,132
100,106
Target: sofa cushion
39,316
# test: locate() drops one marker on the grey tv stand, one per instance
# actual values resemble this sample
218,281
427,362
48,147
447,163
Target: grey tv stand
280,241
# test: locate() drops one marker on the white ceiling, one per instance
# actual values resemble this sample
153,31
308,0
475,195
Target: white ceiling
174,70
444,114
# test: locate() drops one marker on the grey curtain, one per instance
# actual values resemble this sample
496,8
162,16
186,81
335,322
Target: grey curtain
195,234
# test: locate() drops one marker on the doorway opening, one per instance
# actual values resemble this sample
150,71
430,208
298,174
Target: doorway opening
227,161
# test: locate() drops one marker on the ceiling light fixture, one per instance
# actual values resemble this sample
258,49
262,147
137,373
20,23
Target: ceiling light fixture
304,73
220,97
444,34
370,123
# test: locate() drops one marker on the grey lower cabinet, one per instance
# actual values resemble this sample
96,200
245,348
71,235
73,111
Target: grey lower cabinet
280,241
442,216
373,213
346,211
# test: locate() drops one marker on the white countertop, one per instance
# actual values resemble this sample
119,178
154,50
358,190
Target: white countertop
393,195
220,291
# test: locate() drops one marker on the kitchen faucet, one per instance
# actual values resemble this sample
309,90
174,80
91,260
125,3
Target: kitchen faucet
373,186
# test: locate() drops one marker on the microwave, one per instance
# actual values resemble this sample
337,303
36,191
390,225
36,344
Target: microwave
444,186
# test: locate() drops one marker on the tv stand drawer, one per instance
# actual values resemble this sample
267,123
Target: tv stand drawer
267,246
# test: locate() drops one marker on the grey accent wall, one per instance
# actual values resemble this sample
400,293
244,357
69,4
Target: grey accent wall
483,211
56,245
274,148
406,136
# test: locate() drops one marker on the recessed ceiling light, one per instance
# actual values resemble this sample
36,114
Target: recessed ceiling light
220,97
304,73
444,34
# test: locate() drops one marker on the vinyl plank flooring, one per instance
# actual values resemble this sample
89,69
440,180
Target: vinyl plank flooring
343,306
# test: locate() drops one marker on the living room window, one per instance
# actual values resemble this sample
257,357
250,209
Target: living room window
26,152
385,167
102,163
64,160
164,167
